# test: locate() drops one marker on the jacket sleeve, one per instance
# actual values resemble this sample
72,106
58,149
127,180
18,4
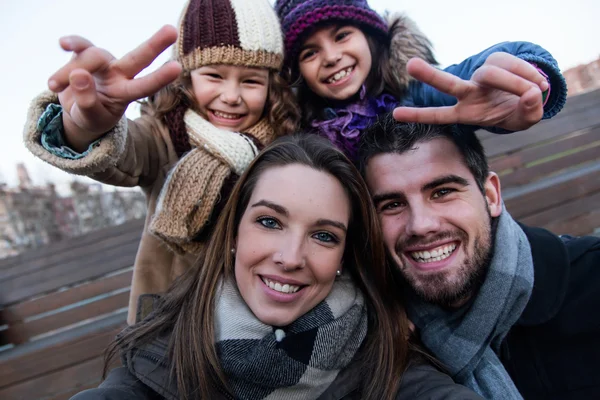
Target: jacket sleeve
130,154
424,382
423,95
120,384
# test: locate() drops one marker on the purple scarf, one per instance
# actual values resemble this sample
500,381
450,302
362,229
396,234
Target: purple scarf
345,124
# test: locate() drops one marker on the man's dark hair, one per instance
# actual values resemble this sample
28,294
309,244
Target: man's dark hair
387,135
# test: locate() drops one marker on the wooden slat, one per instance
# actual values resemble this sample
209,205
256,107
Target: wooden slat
75,253
553,192
531,174
70,316
65,246
582,225
83,269
529,155
56,382
57,357
566,212
73,295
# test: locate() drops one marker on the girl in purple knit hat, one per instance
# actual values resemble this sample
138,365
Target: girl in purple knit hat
350,65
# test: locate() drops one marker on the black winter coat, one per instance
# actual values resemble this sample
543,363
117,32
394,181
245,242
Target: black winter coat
553,352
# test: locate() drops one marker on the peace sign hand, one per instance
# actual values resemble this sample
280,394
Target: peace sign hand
95,88
505,92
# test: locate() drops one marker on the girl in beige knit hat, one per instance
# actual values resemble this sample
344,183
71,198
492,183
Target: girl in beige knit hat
208,113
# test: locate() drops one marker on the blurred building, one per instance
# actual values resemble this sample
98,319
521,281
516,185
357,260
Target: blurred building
583,78
32,216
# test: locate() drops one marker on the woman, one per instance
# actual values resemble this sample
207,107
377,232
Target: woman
292,300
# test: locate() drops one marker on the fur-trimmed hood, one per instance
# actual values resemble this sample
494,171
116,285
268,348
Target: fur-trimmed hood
406,41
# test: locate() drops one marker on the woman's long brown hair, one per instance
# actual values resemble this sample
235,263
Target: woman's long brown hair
187,310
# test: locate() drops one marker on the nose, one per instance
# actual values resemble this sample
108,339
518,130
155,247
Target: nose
231,93
290,254
331,55
422,220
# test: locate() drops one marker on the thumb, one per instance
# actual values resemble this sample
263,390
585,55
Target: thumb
87,111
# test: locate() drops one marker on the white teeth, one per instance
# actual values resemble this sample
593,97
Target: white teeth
437,254
225,115
280,287
340,75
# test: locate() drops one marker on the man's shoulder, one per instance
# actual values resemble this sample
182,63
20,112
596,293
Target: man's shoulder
554,248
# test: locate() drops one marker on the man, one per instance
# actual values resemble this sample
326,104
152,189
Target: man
511,310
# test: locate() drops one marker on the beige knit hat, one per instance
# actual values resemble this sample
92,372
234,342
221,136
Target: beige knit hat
235,32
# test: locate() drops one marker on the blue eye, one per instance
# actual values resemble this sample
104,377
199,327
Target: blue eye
325,237
268,222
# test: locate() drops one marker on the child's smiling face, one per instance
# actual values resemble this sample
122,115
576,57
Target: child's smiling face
335,61
231,97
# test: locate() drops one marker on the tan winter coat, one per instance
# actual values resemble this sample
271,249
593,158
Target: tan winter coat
135,153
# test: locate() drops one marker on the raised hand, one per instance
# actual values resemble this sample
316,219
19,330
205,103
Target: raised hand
95,88
505,92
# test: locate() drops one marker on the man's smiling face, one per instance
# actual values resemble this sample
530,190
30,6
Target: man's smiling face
436,222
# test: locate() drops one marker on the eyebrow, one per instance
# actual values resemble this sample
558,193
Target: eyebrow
279,209
444,180
330,222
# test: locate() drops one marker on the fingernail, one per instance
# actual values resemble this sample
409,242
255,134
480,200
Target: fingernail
544,85
79,82
52,85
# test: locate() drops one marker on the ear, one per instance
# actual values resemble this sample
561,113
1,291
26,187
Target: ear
493,196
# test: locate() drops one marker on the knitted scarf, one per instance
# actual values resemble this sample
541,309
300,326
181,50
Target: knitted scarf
199,180
297,362
467,340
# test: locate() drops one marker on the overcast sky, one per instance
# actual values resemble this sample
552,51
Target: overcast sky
30,53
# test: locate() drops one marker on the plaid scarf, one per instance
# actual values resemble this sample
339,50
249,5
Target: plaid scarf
467,340
299,361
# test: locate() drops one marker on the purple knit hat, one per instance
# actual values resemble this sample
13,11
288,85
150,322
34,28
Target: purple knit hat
300,16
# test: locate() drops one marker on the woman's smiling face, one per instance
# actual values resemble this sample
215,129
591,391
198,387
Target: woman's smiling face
290,242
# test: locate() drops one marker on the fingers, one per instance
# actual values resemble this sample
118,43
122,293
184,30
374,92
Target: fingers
83,88
495,77
90,58
518,67
147,85
441,80
138,59
74,43
530,108
427,115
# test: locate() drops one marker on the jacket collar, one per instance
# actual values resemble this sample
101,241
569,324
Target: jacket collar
149,364
551,276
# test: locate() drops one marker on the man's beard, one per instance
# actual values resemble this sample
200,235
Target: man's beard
453,288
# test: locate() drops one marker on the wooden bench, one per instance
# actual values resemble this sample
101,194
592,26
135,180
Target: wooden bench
550,174
61,306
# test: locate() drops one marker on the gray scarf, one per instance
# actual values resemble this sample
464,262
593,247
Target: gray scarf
467,340
299,361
